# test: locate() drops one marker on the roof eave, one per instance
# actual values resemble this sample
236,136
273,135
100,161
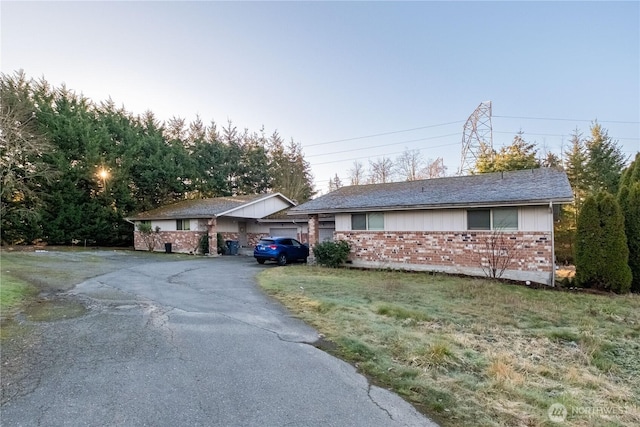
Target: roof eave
268,196
537,202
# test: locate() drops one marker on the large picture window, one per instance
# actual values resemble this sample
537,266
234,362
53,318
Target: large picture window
183,224
492,219
369,221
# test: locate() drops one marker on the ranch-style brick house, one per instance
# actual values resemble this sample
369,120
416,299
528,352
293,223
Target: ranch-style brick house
453,224
240,218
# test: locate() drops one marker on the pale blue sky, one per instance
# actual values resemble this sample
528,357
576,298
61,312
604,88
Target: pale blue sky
326,71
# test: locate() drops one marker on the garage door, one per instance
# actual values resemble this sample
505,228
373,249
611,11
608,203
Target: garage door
284,232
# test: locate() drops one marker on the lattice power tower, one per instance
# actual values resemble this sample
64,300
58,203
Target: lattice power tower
477,131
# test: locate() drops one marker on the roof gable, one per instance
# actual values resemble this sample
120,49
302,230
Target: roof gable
537,186
209,208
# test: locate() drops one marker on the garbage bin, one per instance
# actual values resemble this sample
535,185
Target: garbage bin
232,246
167,248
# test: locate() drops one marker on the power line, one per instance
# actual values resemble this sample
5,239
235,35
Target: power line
386,145
555,134
389,154
566,120
384,133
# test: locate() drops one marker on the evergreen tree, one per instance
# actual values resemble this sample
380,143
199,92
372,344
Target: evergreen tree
290,173
486,159
516,156
54,143
334,183
605,161
22,168
629,199
574,165
253,167
601,248
588,249
632,173
632,231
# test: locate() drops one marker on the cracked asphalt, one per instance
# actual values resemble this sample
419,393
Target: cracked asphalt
189,343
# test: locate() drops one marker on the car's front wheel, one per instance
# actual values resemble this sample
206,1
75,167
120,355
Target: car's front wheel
282,259
260,261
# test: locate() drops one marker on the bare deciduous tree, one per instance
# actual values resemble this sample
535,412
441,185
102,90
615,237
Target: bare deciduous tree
497,251
381,171
409,165
434,169
356,173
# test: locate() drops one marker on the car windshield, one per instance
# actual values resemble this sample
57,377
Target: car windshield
265,242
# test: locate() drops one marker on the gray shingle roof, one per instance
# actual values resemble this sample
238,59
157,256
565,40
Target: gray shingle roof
537,186
199,208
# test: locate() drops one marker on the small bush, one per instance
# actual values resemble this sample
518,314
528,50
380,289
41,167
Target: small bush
332,254
203,244
222,247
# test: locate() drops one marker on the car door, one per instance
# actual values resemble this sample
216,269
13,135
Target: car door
288,249
298,250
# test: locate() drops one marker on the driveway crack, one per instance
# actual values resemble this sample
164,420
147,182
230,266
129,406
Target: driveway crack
376,403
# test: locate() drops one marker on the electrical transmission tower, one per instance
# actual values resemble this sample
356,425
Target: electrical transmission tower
477,131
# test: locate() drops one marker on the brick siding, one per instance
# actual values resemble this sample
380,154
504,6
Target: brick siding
454,252
181,241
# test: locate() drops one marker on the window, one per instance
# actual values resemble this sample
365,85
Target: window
492,219
183,224
369,221
375,221
479,219
505,219
359,222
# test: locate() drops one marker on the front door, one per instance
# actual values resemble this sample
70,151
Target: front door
242,233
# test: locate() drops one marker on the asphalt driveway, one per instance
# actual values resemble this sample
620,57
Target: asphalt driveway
190,343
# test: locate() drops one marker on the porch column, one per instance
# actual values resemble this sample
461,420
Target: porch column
212,231
314,237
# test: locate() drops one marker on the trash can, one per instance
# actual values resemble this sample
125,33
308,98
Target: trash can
167,248
232,246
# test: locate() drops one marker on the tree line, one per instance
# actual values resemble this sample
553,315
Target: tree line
73,169
408,166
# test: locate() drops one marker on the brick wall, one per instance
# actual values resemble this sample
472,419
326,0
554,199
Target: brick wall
181,241
452,252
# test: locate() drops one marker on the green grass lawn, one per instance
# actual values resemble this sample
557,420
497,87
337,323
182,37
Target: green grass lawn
13,292
474,352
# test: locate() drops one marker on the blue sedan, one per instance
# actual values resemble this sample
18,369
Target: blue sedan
280,249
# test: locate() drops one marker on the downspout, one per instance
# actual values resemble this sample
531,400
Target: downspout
553,248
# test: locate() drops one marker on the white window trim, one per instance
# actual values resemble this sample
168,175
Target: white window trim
491,224
366,215
183,222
